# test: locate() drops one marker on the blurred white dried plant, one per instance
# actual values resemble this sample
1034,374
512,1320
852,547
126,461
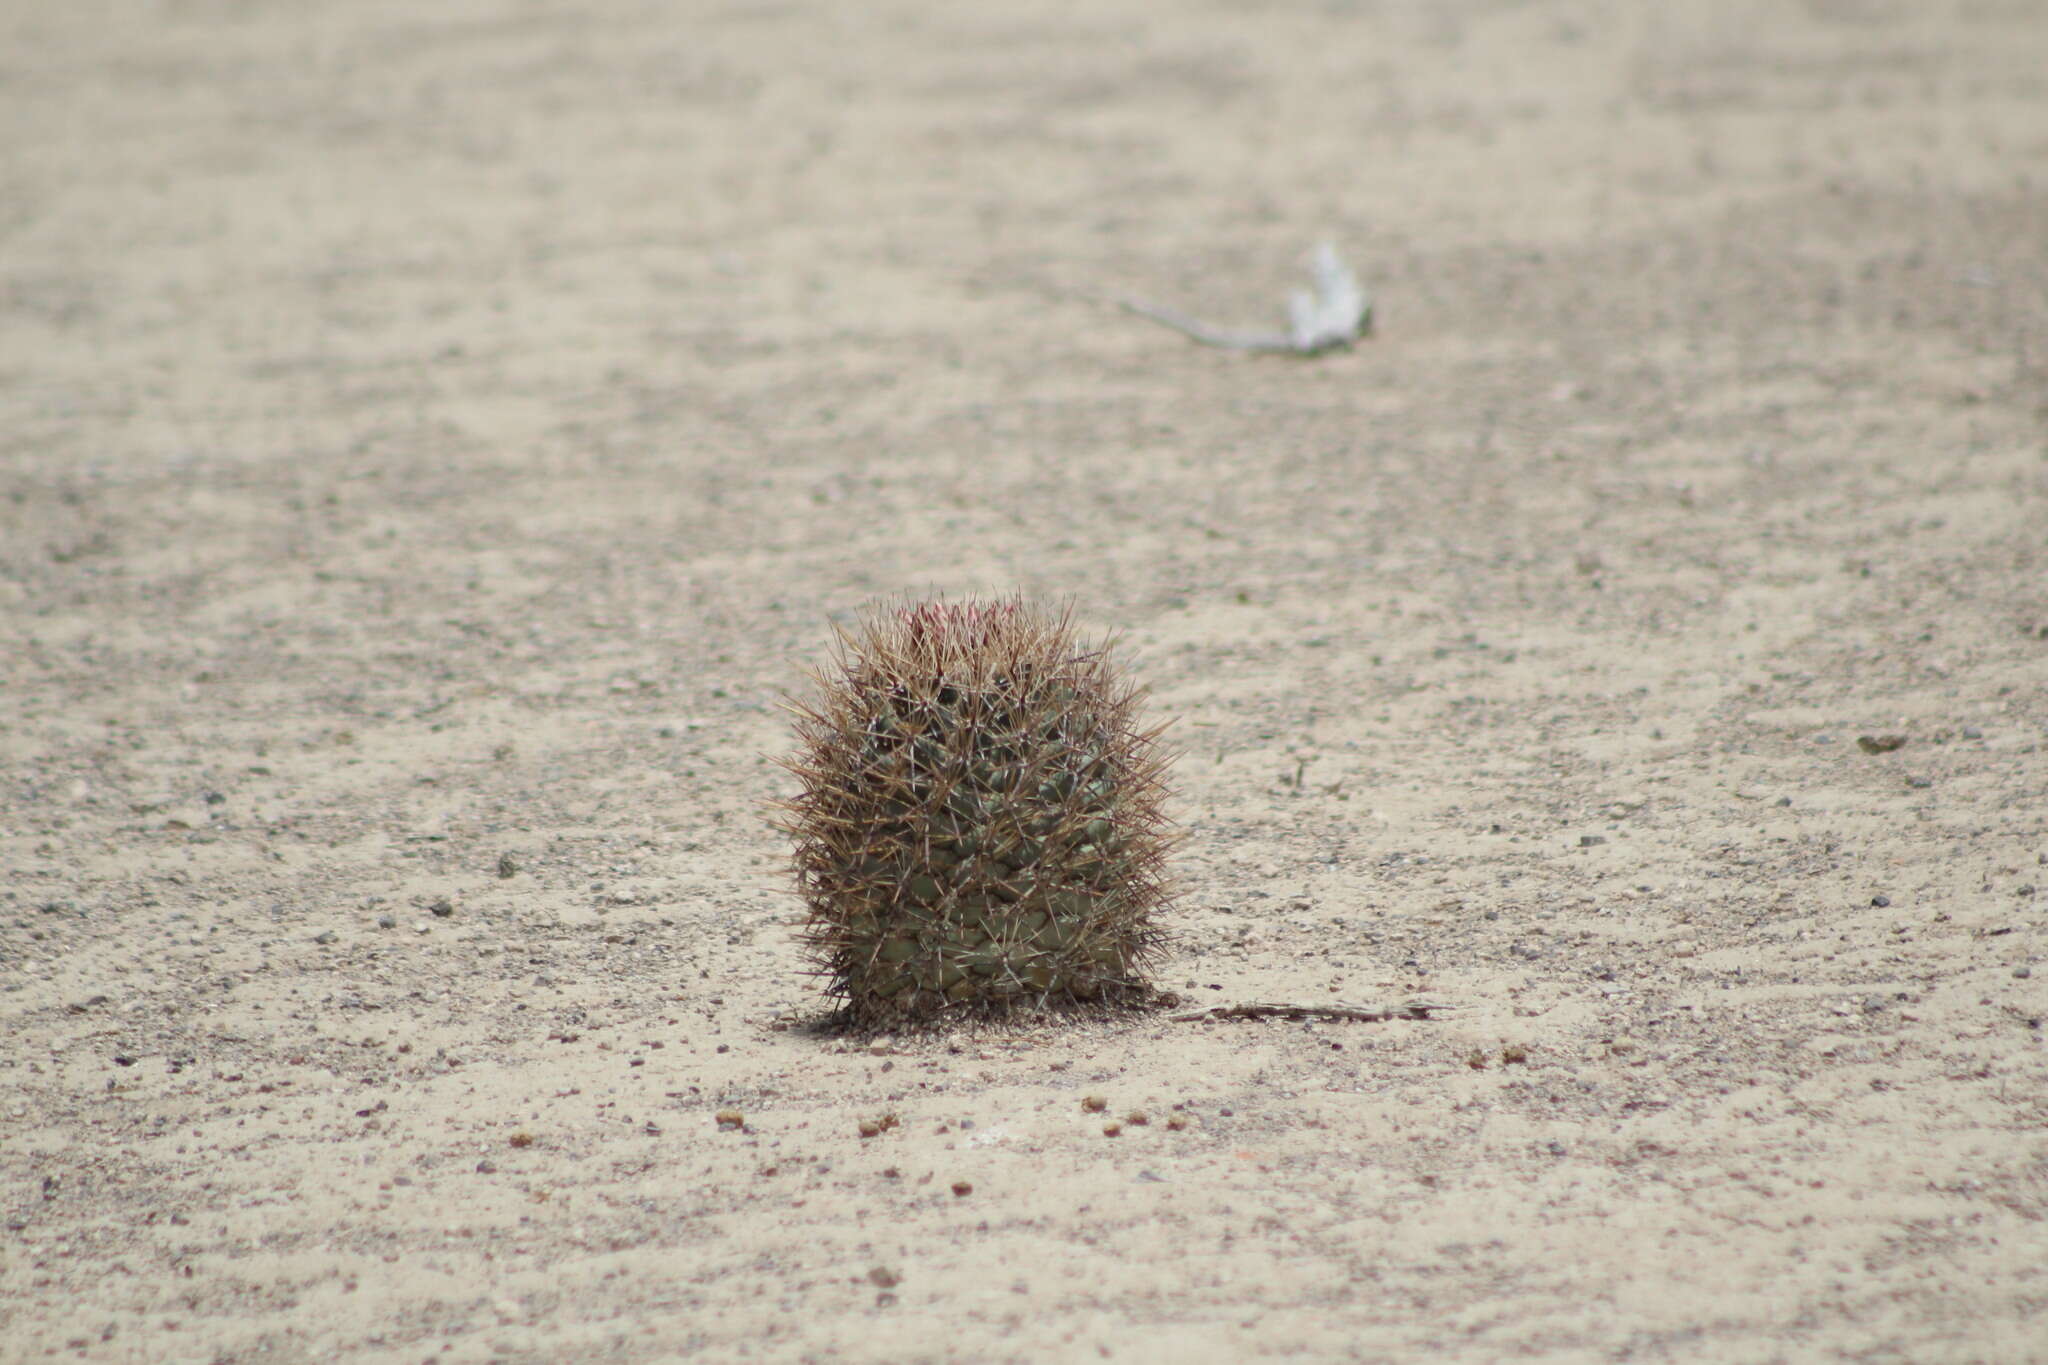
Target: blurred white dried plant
1330,316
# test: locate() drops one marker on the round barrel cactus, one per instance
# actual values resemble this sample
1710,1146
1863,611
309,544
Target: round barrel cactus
980,820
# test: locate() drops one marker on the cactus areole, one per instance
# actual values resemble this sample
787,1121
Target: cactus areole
980,820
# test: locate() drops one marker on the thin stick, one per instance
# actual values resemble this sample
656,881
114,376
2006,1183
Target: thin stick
1272,1009
1224,337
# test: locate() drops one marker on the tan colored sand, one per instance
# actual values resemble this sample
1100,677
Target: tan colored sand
431,443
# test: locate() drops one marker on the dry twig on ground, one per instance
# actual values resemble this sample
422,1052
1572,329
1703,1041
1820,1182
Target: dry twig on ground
1336,1009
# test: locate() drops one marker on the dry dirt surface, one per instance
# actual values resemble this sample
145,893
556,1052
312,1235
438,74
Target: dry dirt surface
436,436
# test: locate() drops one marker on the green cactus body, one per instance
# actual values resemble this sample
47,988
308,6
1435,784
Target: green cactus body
980,823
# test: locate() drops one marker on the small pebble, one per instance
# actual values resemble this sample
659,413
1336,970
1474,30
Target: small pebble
962,1188
1094,1104
2023,972
731,1118
387,921
1112,1129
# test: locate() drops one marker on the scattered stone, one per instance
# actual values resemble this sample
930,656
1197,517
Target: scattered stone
1094,1104
1112,1129
962,1188
1880,744
1591,840
508,866
442,908
881,1277
327,936
731,1119
387,921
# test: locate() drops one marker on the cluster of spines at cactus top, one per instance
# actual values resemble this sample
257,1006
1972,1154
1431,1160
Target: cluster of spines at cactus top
980,820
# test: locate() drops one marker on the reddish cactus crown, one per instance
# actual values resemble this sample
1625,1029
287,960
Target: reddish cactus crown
958,624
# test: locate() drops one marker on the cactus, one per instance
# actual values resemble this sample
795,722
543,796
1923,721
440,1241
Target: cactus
980,820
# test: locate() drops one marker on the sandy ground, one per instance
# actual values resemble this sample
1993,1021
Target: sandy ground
432,445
